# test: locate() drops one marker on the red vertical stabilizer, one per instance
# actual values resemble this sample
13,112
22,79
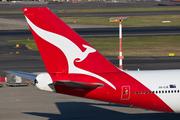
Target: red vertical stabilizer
61,48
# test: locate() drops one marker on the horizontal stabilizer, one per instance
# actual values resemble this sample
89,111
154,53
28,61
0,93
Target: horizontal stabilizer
73,84
25,75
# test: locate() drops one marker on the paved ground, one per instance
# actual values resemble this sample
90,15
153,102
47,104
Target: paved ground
29,103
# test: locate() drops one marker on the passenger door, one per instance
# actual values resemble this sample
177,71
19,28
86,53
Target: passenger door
125,95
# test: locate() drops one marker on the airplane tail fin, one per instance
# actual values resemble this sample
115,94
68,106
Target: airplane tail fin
61,48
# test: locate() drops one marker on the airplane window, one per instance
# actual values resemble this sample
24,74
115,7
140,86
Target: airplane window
149,92
137,92
134,92
174,91
153,92
171,91
165,91
124,93
143,92
159,91
146,92
168,91
140,92
162,91
178,91
156,91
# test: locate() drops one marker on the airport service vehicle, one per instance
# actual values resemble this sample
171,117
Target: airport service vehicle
75,68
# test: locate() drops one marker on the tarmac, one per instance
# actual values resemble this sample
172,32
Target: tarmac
30,103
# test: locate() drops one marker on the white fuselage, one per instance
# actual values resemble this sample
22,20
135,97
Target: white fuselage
160,81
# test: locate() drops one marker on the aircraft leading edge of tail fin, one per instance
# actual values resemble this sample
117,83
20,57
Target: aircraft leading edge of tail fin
61,48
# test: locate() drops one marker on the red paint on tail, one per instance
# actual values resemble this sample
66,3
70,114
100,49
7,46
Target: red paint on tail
54,59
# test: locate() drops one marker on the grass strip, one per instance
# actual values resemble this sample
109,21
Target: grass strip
11,11
155,20
30,44
132,46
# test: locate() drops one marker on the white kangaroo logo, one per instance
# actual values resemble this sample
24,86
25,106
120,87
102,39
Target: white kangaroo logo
72,52
86,53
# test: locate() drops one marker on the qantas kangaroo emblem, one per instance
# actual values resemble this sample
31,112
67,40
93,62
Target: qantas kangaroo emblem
86,53
76,54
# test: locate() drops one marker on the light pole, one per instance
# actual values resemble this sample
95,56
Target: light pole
120,45
119,19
